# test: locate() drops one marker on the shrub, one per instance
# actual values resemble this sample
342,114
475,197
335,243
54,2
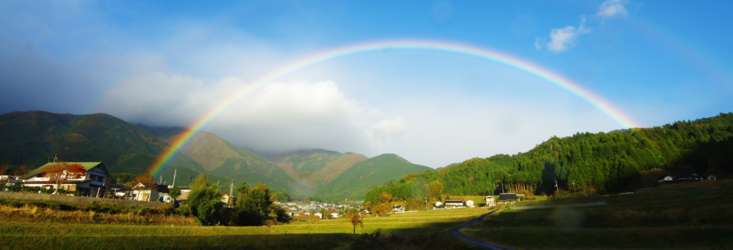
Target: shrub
205,201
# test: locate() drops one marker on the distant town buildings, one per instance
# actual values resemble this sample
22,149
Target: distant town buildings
315,209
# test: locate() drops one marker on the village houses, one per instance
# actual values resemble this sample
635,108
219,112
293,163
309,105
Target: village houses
82,178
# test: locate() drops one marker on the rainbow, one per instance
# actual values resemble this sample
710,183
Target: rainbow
454,47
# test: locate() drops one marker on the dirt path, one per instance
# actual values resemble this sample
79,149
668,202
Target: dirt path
456,232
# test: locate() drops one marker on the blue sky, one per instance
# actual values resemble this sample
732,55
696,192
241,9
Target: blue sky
167,62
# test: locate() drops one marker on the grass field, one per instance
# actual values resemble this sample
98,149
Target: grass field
412,230
63,202
685,216
33,207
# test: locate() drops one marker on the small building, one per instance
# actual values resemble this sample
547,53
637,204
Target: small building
8,179
149,192
398,209
166,198
227,200
666,179
81,178
438,205
7,182
118,191
490,201
184,194
510,197
454,204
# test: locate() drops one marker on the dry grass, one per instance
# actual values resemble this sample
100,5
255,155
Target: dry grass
76,202
29,213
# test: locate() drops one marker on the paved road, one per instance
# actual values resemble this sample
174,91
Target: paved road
456,232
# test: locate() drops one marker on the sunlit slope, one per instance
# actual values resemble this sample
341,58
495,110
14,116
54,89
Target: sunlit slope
227,162
316,166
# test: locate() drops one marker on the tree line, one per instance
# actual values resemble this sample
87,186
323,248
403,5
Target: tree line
615,161
252,205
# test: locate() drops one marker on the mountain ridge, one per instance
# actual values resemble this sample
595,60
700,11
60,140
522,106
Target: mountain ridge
128,149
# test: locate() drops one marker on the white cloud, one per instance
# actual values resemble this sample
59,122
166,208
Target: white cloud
612,8
563,38
276,116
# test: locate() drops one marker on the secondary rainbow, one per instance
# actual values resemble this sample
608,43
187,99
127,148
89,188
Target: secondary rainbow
490,54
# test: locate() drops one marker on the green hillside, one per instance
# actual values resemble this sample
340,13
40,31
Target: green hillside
357,180
30,139
616,161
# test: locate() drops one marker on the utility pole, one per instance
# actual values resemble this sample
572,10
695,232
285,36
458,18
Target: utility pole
174,178
231,194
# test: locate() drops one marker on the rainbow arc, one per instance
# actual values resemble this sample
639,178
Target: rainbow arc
454,47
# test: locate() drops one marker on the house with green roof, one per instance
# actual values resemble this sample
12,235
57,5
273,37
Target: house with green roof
80,178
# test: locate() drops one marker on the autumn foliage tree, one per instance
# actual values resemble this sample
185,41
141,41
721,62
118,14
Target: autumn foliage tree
435,190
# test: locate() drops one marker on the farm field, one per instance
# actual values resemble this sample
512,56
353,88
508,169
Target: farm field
685,216
411,230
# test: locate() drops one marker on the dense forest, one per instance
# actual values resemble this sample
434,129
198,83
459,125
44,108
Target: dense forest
615,161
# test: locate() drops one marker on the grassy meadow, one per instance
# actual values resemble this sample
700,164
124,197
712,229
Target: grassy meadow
34,208
685,216
411,230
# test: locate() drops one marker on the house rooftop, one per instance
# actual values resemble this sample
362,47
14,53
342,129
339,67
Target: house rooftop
50,165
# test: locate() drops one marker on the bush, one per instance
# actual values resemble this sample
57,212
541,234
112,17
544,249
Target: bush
205,201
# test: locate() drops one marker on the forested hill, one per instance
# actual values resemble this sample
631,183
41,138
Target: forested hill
589,162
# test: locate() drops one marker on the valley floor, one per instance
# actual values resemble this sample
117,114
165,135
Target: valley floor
676,216
411,230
